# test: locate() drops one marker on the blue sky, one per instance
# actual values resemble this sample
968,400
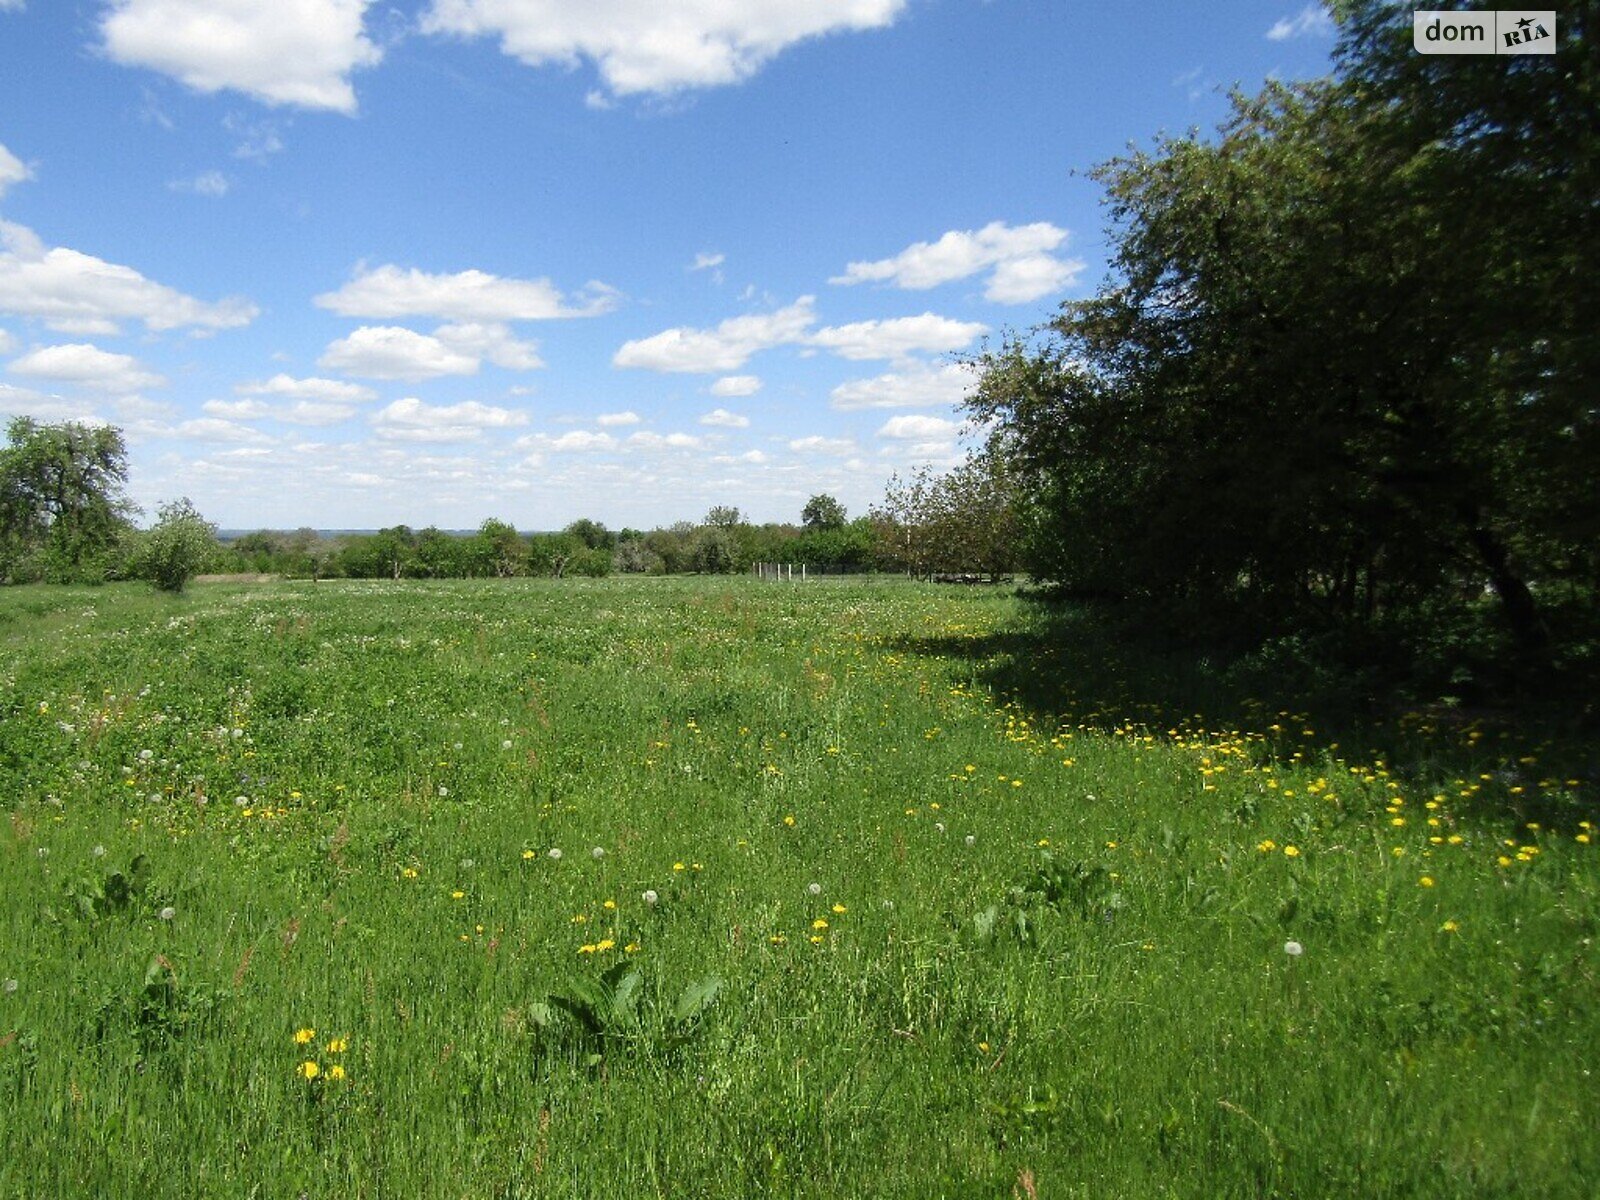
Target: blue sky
347,263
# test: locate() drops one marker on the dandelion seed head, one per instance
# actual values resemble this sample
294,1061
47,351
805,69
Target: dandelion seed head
1293,949
167,913
814,888
971,840
650,897
555,853
597,853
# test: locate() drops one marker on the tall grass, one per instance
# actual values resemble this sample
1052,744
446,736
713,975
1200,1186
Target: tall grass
707,888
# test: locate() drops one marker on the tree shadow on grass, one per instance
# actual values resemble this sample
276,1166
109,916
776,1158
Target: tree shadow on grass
1536,759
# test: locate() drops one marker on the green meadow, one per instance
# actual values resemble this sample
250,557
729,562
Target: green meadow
716,888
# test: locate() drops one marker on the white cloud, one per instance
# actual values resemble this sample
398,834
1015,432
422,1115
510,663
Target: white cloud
898,337
1019,258
215,429
724,419
754,457
298,52
208,183
12,5
1312,21
412,420
311,388
735,385
44,406
388,352
576,441
7,342
644,440
822,445
617,418
916,387
492,341
301,412
258,140
86,366
648,46
389,291
707,259
919,428
78,293
12,170
725,348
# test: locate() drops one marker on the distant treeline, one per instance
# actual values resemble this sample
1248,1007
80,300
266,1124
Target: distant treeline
722,544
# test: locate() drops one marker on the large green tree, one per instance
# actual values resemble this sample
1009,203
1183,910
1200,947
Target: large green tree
63,511
1344,366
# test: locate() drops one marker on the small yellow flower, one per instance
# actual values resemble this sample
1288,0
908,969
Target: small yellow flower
839,908
984,1047
1449,927
631,948
302,1036
609,905
678,866
308,1070
1291,851
604,944
777,939
527,854
1044,842
336,1072
408,872
819,923
587,948
789,820
816,939
1266,845
1425,881
337,1046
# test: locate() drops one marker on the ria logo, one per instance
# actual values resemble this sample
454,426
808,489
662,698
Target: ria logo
1518,32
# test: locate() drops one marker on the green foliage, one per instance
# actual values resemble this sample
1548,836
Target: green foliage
822,511
618,1010
63,513
1339,372
176,548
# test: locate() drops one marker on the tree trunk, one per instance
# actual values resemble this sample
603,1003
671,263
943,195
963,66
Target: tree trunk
1528,633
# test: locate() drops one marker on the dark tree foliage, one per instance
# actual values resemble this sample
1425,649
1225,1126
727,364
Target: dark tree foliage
822,511
1345,369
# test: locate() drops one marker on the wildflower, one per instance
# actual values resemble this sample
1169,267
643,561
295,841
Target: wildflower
336,1072
527,854
1266,845
631,948
337,1046
789,820
1426,881
555,853
444,791
650,897
609,905
1044,842
678,866
1449,927
167,913
983,1047
1291,851
814,888
1293,949
304,1036
819,923
9,986
597,853
777,939
839,908
457,894
98,852
816,939
506,745
308,1070
970,840
408,872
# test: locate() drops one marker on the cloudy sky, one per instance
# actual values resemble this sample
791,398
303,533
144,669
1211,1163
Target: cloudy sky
347,263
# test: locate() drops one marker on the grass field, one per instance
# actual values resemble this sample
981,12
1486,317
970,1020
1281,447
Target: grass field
715,889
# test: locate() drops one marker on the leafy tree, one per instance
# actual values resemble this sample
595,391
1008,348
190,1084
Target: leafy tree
177,547
592,534
1340,372
822,511
499,550
724,516
62,507
715,551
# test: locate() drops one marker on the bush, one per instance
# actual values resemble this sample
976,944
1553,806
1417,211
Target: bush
177,547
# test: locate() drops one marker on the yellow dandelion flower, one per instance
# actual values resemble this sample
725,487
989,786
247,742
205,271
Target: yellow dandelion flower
789,820
457,894
1425,881
1449,927
337,1046
1291,851
777,939
819,923
631,948
527,854
678,867
1266,845
336,1072
604,944
308,1070
839,908
587,948
302,1036
816,939
609,905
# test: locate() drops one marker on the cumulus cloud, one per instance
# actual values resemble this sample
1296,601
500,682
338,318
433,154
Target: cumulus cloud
736,385
1020,261
216,429
916,387
412,420
817,444
83,365
12,170
617,418
918,428
725,348
312,388
492,341
753,457
1311,21
641,46
575,441
295,52
388,352
724,419
7,342
300,412
707,259
645,440
78,293
898,337
388,292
